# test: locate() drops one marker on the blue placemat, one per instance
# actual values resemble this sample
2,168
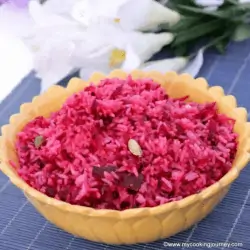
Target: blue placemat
22,228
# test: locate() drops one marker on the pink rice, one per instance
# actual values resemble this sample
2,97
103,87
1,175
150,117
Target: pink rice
80,153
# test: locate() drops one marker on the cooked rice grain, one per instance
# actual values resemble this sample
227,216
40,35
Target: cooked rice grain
83,156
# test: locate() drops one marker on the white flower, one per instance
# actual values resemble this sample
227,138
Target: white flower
59,7
145,44
194,66
88,11
47,17
131,14
126,50
128,55
178,64
61,45
109,59
209,3
54,42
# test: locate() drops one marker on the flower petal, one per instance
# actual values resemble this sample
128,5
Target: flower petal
159,14
147,44
54,37
145,15
86,72
132,60
195,65
88,11
108,32
144,44
95,62
58,6
43,18
107,8
82,13
211,8
100,62
166,65
133,14
52,58
53,76
15,21
208,3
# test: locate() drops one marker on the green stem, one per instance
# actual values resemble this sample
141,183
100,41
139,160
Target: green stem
209,45
216,40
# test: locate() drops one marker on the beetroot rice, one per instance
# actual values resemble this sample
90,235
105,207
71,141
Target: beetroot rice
80,153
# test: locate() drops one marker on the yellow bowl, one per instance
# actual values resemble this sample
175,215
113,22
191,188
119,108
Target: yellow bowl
138,224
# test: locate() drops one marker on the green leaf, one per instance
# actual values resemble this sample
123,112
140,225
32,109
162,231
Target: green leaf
217,27
220,41
174,3
185,23
229,3
241,33
181,50
191,11
233,13
197,31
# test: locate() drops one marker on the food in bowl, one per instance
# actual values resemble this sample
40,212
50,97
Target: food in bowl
124,143
136,225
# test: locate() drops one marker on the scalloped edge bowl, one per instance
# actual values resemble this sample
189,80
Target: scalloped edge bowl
139,225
